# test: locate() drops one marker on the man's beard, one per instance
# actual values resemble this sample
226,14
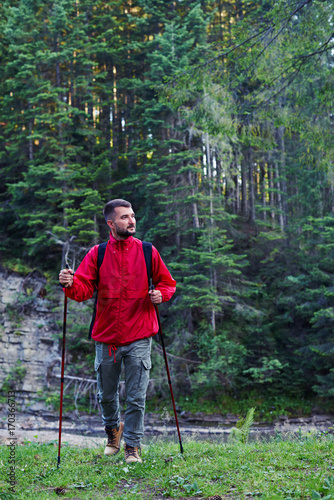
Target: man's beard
124,233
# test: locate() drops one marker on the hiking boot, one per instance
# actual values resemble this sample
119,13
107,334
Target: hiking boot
114,439
131,454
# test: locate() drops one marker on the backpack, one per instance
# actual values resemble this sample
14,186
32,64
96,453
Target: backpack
147,249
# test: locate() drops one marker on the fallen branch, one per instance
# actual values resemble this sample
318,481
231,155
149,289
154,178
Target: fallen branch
177,357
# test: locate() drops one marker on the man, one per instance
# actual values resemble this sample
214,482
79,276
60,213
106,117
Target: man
125,322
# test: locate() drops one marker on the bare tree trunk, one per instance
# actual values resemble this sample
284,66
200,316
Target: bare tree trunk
129,129
236,201
279,197
115,123
332,194
214,286
219,178
192,184
263,188
58,84
208,161
271,190
244,204
251,186
236,208
213,273
281,142
194,204
107,117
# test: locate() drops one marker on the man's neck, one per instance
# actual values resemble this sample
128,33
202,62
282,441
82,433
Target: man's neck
117,237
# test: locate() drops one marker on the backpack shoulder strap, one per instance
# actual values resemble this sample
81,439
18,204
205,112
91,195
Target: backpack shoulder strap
147,249
100,257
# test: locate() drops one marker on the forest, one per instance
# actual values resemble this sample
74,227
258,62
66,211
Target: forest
215,119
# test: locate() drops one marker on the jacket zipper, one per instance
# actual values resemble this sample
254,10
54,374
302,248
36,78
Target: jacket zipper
121,292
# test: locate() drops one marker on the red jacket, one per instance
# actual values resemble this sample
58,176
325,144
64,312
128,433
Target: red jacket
124,312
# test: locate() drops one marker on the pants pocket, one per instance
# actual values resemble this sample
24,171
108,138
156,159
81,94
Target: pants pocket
147,363
144,375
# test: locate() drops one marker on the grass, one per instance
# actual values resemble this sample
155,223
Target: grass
289,467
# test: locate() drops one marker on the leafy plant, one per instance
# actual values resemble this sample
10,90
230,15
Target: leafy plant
14,377
242,429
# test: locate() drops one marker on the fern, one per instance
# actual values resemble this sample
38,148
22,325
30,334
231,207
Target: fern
247,424
241,431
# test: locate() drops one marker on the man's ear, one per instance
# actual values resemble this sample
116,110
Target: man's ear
110,224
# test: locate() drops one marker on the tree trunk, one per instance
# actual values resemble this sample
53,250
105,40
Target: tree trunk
115,124
279,197
244,204
209,167
251,186
281,142
236,206
213,274
263,188
271,190
194,204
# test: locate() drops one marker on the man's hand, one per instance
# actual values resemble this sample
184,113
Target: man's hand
66,277
155,296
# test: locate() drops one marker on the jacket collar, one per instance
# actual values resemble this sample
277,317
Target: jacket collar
121,243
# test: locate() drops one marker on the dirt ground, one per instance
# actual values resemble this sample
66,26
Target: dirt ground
33,436
36,428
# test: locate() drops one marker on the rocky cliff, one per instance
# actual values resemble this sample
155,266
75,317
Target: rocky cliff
28,343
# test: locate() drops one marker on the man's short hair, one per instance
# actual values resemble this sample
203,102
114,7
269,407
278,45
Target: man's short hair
109,208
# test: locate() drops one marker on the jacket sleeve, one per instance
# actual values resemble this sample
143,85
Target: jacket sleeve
84,279
162,279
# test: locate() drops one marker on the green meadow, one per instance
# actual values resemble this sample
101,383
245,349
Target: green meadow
285,467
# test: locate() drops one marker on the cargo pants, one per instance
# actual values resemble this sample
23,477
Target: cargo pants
137,364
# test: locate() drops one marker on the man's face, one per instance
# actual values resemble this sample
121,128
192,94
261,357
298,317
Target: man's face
123,223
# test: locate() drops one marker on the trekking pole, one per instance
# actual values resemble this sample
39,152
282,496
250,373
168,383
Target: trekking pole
167,369
62,376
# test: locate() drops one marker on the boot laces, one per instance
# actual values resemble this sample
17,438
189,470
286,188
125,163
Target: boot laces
132,452
112,436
